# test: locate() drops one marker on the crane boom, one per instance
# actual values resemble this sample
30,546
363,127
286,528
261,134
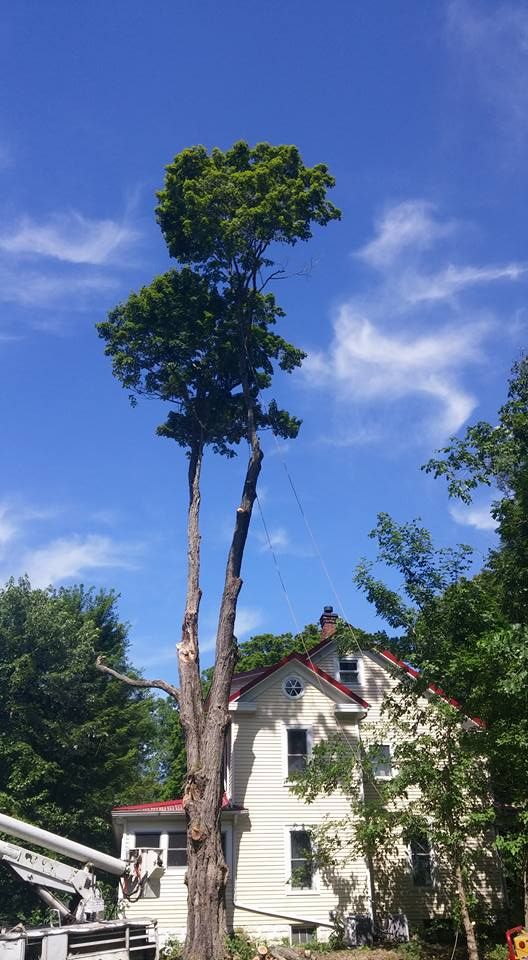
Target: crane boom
68,848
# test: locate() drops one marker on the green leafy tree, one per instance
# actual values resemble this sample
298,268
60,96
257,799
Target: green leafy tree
496,456
71,744
437,798
202,338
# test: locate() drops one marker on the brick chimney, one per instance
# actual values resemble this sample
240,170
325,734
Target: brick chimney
328,623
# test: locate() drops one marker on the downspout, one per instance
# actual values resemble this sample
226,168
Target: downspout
263,911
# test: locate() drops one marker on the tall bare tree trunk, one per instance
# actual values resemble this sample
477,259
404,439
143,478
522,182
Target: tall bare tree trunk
464,913
205,725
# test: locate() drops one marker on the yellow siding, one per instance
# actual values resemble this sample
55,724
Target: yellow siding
259,784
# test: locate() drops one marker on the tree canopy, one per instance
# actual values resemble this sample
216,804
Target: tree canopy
72,745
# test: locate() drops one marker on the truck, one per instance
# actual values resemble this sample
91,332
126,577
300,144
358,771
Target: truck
81,931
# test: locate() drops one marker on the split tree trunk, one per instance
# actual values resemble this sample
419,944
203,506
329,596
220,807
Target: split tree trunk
205,725
464,913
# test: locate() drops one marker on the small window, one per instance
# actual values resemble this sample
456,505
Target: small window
297,750
349,671
148,841
380,758
301,860
421,861
177,850
303,934
293,688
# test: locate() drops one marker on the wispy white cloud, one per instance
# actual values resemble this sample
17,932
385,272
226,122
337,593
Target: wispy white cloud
278,538
69,557
8,526
404,348
247,620
65,259
475,516
491,42
71,238
365,363
417,288
411,225
34,288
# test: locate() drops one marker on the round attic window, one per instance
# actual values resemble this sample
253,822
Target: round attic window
293,688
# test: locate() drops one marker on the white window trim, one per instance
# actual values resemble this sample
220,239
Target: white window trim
309,745
350,656
312,891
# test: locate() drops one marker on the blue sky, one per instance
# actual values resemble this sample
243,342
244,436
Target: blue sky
412,312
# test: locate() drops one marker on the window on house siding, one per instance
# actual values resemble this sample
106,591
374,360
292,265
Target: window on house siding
421,861
297,750
148,840
301,860
349,671
380,758
177,849
303,934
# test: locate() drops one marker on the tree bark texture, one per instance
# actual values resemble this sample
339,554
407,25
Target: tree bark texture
464,913
205,725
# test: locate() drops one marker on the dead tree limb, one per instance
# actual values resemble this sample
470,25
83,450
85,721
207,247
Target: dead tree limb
136,682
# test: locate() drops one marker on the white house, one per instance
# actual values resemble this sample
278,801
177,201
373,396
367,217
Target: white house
277,714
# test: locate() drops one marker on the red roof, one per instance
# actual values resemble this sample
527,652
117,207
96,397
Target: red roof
167,806
256,677
245,681
430,686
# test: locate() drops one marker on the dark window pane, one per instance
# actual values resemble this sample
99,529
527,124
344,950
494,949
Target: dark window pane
301,852
300,844
176,858
297,741
178,839
421,862
148,840
296,764
177,852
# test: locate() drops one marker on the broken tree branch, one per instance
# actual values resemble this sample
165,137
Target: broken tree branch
135,681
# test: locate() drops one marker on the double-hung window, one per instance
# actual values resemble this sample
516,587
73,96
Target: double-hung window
421,861
380,758
349,671
297,749
301,868
177,849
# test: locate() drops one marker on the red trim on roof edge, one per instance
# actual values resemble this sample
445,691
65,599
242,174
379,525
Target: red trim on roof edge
167,805
430,686
306,661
